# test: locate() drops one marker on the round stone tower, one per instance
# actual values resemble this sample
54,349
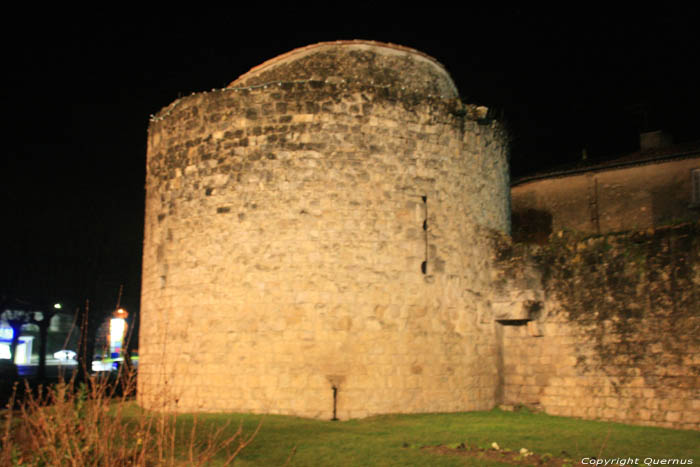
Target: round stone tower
316,240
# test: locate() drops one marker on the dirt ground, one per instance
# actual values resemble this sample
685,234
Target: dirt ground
501,455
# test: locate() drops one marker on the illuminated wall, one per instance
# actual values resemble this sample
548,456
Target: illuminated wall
633,197
318,228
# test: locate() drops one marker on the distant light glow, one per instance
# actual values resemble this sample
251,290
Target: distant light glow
65,355
57,306
117,328
6,333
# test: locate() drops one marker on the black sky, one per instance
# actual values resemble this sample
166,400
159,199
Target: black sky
81,90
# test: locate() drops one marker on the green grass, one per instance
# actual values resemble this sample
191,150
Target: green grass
382,440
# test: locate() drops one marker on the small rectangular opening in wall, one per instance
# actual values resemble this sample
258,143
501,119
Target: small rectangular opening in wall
533,327
513,322
695,187
424,264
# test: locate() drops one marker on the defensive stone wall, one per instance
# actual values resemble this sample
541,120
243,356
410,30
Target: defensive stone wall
316,241
616,336
328,237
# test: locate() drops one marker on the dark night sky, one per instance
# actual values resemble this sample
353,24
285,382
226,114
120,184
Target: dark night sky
80,94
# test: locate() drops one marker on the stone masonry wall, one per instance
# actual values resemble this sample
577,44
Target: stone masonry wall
316,234
617,336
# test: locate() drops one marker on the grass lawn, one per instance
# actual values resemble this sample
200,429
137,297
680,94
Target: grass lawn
397,439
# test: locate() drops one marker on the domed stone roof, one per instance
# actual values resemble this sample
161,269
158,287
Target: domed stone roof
356,62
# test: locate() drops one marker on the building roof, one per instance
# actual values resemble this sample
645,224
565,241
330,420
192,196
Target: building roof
637,158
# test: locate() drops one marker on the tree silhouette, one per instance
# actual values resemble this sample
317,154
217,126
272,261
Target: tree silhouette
47,312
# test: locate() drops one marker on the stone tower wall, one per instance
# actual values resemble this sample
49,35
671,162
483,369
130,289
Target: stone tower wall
284,251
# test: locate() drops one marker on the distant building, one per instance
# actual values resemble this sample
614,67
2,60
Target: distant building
23,354
60,335
655,186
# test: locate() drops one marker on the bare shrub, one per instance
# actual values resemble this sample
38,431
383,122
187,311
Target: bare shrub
95,424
